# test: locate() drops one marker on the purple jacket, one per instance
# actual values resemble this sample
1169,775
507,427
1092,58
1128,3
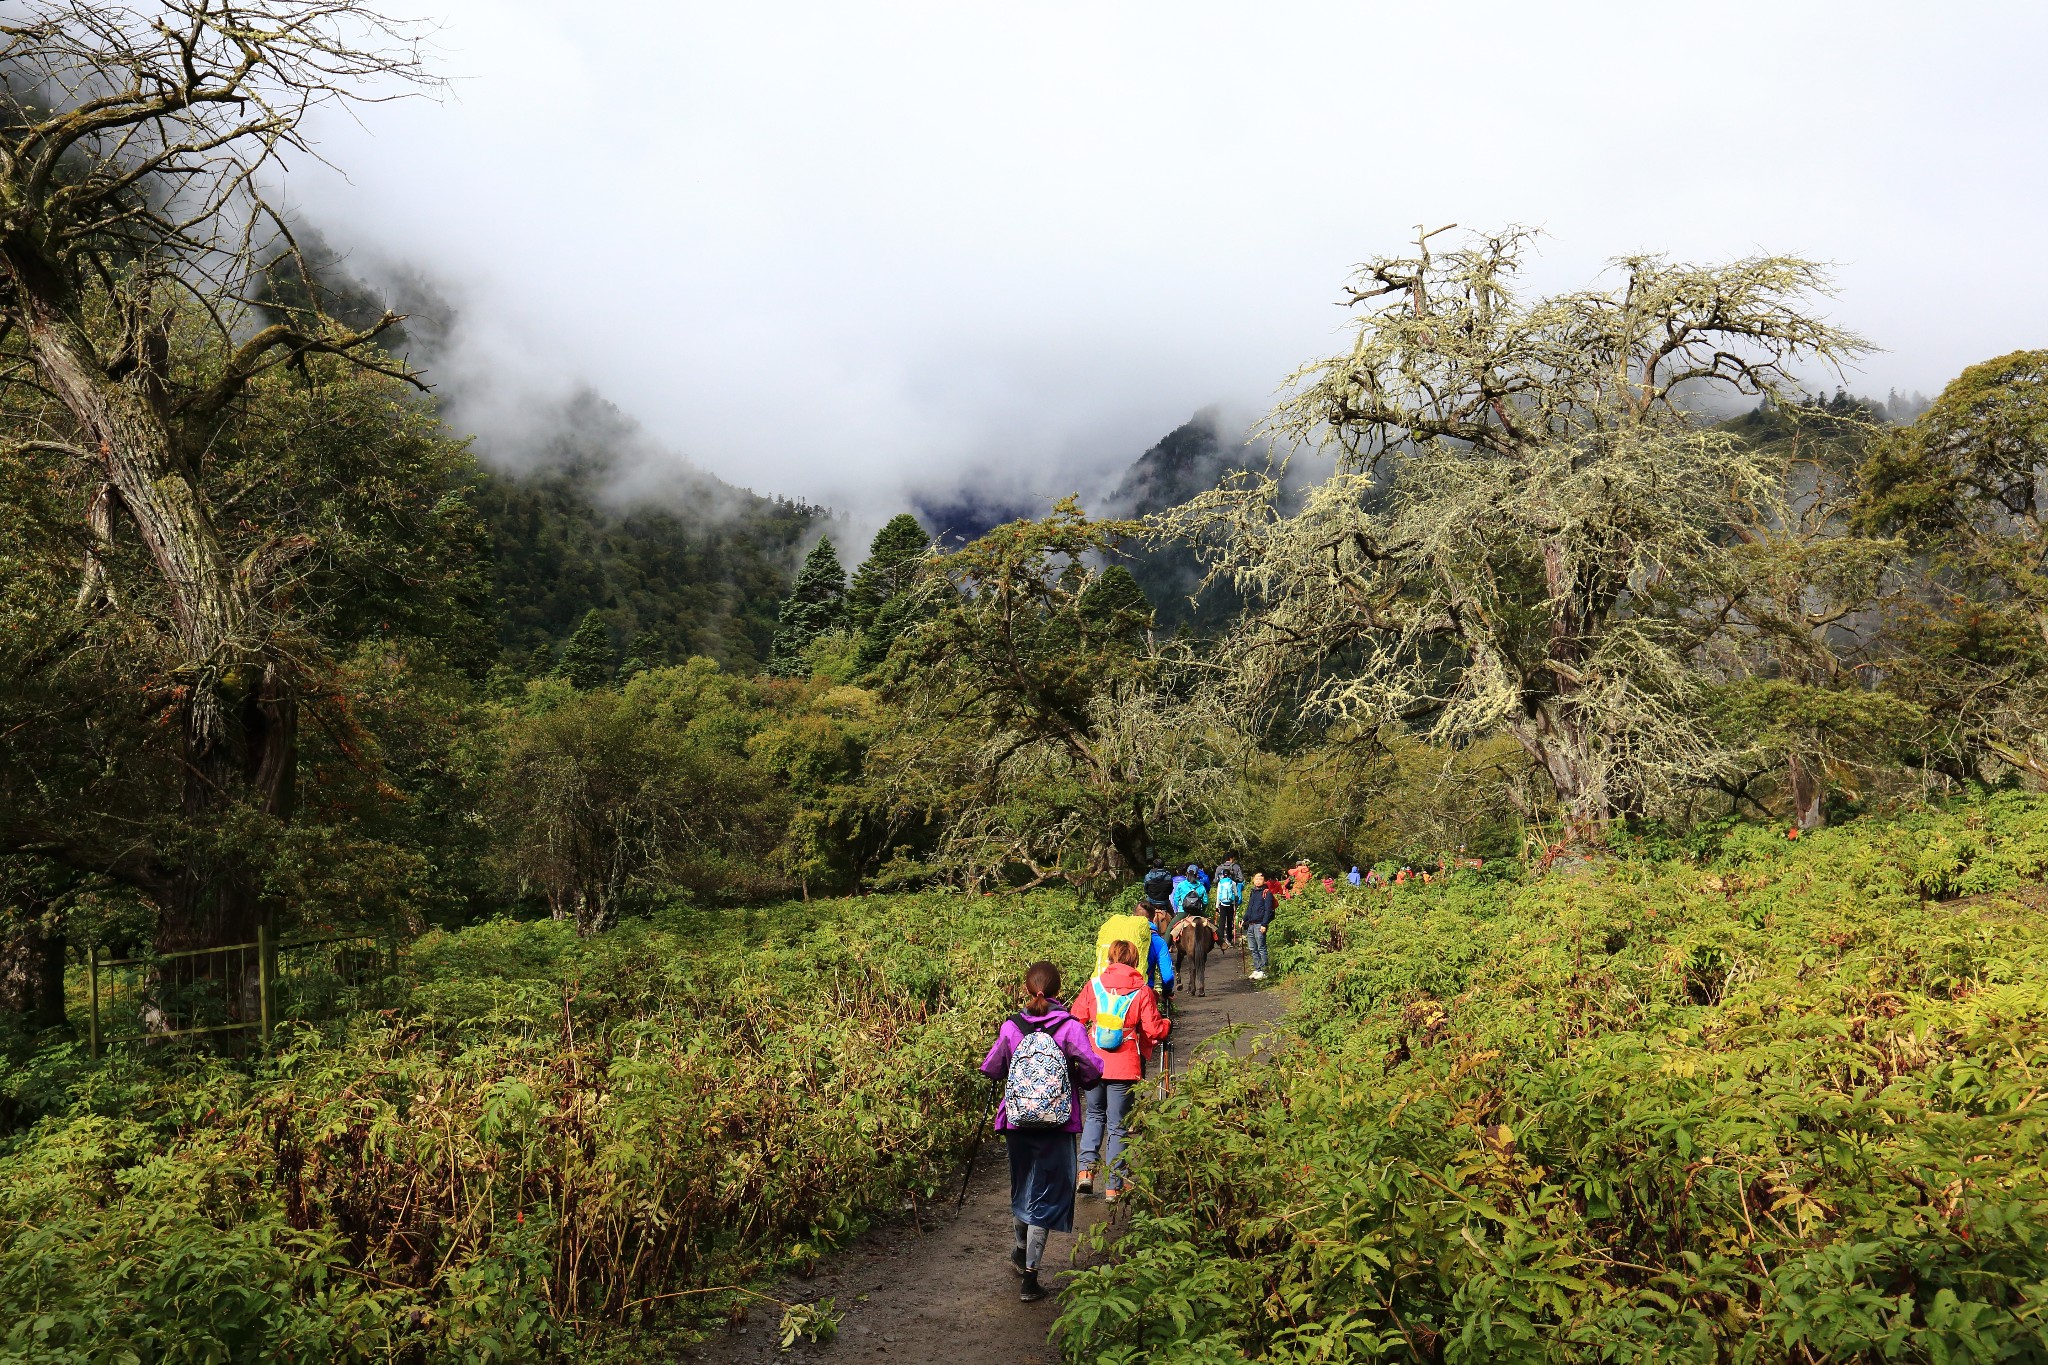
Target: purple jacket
1073,1040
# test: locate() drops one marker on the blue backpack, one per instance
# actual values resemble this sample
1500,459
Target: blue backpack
1110,1013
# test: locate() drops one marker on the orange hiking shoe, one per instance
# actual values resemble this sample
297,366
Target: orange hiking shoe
1086,1184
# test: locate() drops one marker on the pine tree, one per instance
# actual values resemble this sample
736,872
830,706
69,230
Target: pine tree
880,602
1115,605
815,605
894,558
588,660
643,652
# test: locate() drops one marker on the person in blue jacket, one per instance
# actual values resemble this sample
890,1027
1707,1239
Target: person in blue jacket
1159,957
1160,963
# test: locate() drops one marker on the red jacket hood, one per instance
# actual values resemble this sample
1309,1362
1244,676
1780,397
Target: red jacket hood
1119,978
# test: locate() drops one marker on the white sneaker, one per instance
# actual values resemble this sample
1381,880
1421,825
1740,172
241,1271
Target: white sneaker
1258,976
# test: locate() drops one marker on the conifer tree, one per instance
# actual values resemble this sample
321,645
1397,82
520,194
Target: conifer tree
815,605
588,660
643,652
894,557
1115,606
879,603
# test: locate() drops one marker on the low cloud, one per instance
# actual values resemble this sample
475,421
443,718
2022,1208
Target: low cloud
873,254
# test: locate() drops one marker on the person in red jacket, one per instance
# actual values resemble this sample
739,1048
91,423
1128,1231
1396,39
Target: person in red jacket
1124,1025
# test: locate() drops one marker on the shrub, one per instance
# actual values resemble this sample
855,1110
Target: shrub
558,1141
1780,1107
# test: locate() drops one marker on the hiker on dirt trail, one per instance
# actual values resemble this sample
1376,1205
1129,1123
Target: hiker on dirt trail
1229,891
1157,905
1045,1063
1258,914
1188,893
1159,970
1124,1025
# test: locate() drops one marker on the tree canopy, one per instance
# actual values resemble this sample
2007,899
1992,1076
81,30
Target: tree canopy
1516,479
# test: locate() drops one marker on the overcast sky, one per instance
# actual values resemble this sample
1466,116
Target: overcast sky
838,251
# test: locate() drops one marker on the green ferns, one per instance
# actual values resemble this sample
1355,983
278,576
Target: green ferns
1785,1106
555,1150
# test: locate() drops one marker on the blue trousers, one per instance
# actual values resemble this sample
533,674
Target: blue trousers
1104,1128
1256,935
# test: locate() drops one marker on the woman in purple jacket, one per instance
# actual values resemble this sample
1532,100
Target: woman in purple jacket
1042,1158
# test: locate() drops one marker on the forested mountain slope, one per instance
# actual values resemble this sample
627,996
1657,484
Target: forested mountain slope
585,510
666,552
1191,459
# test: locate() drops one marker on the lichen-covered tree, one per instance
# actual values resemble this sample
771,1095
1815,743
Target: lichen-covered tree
816,604
1512,474
1788,616
607,795
135,140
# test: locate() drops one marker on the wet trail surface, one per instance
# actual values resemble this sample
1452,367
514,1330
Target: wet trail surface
944,1291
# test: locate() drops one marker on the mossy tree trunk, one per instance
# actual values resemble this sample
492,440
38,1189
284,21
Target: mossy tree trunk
237,710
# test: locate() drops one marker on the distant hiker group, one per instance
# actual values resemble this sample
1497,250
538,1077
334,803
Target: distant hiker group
1198,912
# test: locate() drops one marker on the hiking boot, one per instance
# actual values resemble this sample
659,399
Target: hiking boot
1086,1184
1109,1196
1017,1261
1030,1291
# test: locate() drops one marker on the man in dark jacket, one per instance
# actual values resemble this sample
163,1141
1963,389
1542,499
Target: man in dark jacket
1258,913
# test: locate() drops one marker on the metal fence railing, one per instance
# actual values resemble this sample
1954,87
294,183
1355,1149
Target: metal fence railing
236,988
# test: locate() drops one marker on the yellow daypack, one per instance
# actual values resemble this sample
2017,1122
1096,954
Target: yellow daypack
1135,930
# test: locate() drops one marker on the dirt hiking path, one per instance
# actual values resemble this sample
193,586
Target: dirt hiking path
948,1294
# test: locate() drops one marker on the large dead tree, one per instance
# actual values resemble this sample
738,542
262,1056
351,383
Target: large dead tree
136,143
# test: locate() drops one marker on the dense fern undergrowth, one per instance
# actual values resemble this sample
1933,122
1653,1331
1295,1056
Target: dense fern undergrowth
1781,1103
550,1152
1775,1102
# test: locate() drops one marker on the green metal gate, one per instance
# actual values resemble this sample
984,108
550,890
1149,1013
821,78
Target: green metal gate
237,988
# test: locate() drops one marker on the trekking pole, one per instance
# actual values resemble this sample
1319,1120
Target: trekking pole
994,1098
1166,1055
